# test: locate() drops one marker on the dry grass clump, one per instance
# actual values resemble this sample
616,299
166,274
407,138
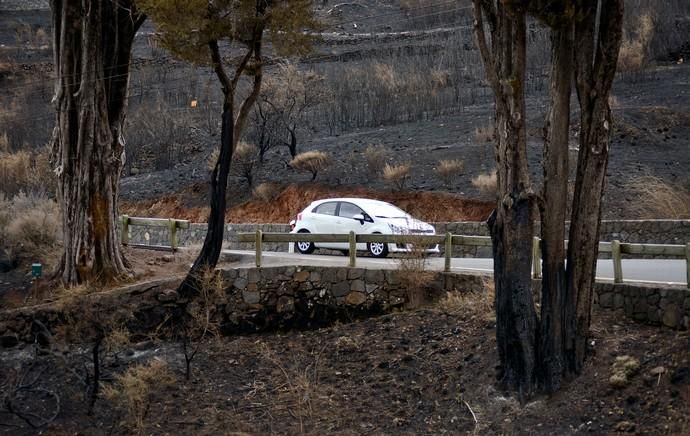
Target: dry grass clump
29,227
375,156
486,183
267,191
312,161
26,171
397,175
245,159
656,198
482,302
133,390
634,51
485,133
449,169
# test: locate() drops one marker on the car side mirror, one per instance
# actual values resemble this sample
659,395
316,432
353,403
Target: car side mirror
359,217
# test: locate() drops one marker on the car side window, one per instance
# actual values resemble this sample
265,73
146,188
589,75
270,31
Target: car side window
348,210
326,208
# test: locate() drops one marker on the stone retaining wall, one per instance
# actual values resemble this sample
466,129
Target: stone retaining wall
669,306
258,299
640,231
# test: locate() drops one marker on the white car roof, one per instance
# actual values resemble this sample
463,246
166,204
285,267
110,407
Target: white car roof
365,203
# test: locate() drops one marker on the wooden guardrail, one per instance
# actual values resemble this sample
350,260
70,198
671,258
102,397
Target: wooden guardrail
171,224
616,248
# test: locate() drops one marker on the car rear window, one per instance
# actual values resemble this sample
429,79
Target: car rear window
348,210
326,208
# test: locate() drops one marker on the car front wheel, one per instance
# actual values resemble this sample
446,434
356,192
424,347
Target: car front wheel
377,249
305,247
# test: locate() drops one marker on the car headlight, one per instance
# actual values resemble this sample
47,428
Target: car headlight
397,229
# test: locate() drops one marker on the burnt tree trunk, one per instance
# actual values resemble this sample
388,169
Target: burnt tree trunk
553,209
231,130
511,224
598,38
92,49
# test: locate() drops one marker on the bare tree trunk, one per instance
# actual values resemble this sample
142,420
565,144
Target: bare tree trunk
230,134
553,212
598,37
92,72
511,224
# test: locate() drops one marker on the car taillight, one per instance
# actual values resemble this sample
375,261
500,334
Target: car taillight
299,216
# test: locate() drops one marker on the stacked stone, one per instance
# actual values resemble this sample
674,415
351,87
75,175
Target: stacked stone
669,306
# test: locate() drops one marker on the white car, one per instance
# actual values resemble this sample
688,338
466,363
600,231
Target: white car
363,216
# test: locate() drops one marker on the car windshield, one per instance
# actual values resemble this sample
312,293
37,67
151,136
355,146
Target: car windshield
385,210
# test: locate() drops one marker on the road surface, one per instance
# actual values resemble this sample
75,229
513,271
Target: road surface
668,271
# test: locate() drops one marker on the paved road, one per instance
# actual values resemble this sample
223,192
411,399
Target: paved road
669,271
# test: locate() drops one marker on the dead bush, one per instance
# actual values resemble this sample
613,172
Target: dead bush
484,133
245,160
26,171
267,191
414,276
30,228
397,175
657,198
460,301
375,156
486,183
133,390
635,47
312,161
449,169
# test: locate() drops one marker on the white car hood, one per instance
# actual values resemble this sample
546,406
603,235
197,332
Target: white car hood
408,224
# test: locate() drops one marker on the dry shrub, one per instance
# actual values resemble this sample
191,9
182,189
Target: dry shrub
245,159
312,161
301,391
212,159
458,301
449,169
267,191
26,171
386,77
30,227
414,277
485,133
635,49
133,390
439,78
656,198
4,143
375,156
397,175
486,183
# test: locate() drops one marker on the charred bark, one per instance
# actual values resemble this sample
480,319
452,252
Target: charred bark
230,133
553,209
92,49
598,38
511,224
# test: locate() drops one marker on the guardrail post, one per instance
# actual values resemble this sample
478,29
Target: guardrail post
172,225
448,251
258,242
124,230
536,258
687,263
352,239
617,262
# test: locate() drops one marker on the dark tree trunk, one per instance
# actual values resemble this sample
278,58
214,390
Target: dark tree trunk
92,49
292,146
230,133
511,224
598,38
553,208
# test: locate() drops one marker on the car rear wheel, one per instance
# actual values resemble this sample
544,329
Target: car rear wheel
377,249
305,247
